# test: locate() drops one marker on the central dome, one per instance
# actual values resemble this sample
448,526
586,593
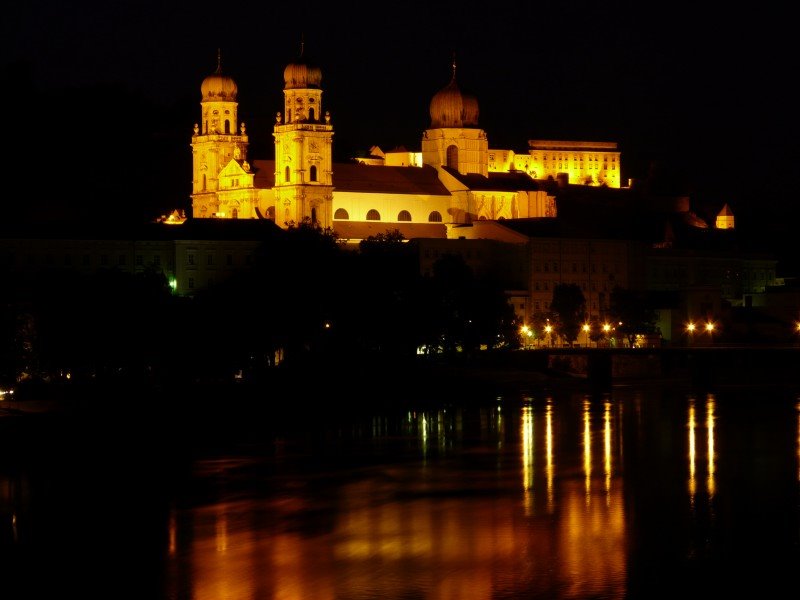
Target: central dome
451,108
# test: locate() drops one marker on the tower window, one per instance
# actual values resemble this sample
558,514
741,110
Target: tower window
311,114
235,213
452,157
286,174
313,173
435,217
373,215
404,215
341,214
227,127
313,215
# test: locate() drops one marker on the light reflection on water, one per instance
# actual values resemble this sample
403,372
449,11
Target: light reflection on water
469,517
633,494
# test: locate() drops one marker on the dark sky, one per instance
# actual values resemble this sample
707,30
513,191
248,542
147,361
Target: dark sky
705,92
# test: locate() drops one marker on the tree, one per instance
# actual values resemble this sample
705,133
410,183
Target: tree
569,306
632,313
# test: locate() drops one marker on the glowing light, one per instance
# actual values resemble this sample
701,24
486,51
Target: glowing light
585,327
606,327
173,283
548,328
690,327
709,327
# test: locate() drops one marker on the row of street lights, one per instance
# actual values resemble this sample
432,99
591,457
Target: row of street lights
709,327
528,333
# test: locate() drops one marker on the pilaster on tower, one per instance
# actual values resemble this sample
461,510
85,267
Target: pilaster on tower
215,140
303,150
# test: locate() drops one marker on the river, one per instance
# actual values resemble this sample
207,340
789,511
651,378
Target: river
640,492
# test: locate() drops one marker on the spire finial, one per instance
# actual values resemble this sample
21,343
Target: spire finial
454,65
219,60
302,43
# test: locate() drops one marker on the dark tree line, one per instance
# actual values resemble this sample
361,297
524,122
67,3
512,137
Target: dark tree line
306,300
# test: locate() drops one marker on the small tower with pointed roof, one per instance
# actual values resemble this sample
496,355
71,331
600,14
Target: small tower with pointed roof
303,149
215,140
725,218
454,139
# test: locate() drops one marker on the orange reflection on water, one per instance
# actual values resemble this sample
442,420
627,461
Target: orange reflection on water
587,448
692,451
549,454
711,486
422,529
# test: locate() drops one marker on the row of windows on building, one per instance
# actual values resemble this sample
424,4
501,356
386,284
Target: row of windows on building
373,215
540,306
103,260
544,286
554,267
191,260
121,260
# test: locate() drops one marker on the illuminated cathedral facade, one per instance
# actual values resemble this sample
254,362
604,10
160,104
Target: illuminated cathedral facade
455,179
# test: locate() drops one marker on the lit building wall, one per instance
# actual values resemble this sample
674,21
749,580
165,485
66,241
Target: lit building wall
403,159
464,149
585,163
388,207
596,266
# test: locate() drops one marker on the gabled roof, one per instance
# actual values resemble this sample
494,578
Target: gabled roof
355,177
499,182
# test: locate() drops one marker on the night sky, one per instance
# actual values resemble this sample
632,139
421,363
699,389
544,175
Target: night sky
670,82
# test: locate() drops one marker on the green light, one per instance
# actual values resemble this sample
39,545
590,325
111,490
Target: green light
173,283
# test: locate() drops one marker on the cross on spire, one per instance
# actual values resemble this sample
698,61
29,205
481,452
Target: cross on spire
219,60
454,65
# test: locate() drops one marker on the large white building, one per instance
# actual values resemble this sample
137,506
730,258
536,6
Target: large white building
455,179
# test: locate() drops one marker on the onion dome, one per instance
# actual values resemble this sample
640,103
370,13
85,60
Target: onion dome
301,74
450,108
218,86
471,110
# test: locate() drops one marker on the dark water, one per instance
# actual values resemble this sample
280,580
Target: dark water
638,493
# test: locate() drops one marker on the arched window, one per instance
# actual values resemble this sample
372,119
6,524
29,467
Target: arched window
227,126
341,214
435,217
204,182
286,174
271,213
373,215
481,218
313,173
313,215
452,157
311,114
235,213
289,116
404,215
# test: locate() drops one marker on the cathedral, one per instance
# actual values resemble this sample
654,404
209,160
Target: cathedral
454,180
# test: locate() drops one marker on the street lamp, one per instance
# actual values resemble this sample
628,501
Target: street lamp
527,333
548,329
710,331
690,327
586,331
